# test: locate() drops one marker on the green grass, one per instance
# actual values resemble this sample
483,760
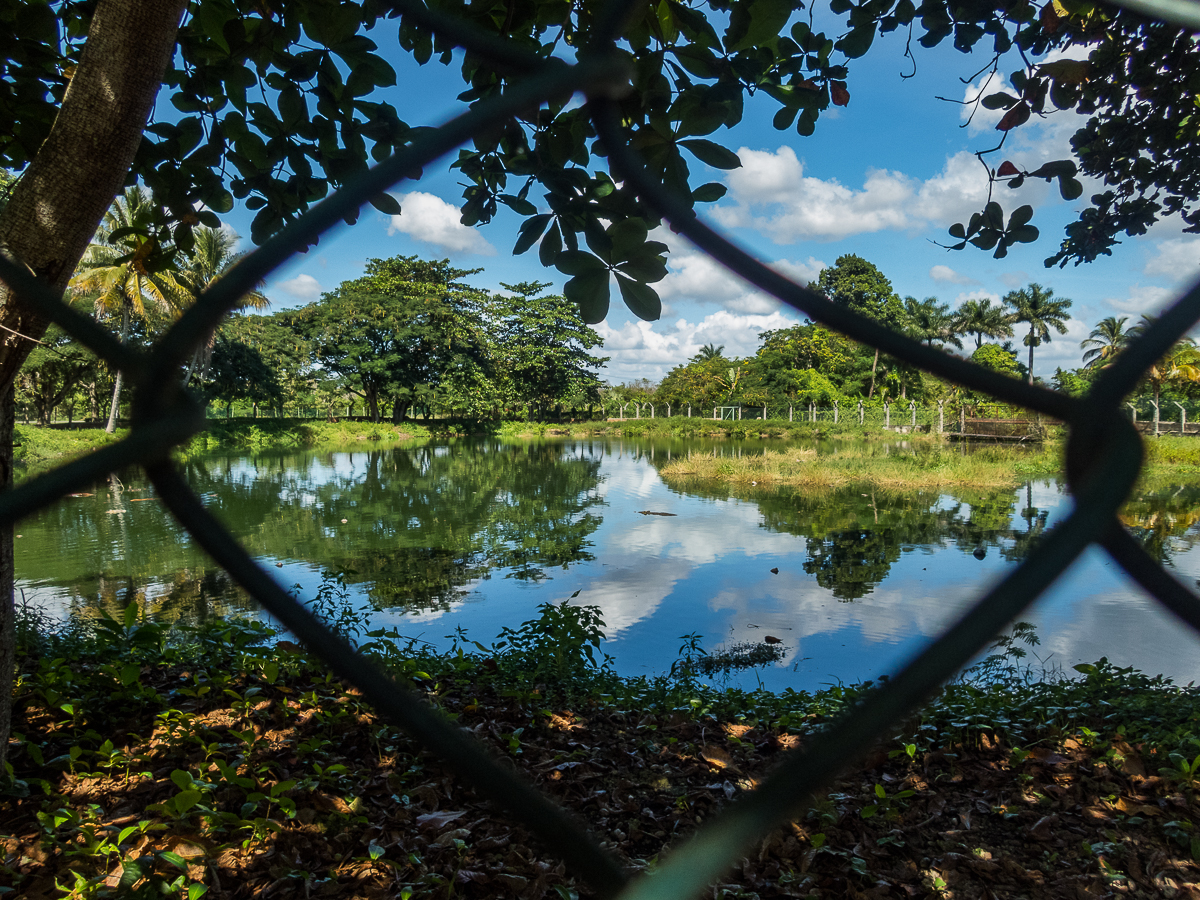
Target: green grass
286,434
37,447
923,467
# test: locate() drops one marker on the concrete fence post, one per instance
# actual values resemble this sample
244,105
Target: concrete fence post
1182,417
1154,403
1133,409
812,412
764,414
739,414
913,409
789,413
651,410
887,415
637,408
962,420
941,416
835,412
860,412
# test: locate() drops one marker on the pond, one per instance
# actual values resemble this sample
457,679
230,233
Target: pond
475,534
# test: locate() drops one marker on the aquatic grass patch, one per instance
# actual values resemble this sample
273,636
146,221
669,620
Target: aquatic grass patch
881,465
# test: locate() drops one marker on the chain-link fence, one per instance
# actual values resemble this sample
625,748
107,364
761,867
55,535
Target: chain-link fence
1103,460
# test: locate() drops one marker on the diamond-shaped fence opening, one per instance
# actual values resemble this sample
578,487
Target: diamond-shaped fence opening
1103,461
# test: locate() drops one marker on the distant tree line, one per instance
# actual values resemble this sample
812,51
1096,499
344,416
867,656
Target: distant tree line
409,336
811,364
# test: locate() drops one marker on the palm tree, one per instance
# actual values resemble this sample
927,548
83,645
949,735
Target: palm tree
709,352
212,256
932,322
1038,307
980,318
1179,364
1107,339
129,272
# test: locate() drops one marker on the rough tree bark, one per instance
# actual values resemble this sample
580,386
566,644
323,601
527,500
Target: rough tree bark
56,207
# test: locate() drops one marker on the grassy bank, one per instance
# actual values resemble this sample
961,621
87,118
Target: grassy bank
297,434
683,426
245,770
40,447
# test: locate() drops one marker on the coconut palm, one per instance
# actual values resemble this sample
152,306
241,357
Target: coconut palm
932,322
1107,339
212,256
1037,307
129,272
980,318
1179,365
709,351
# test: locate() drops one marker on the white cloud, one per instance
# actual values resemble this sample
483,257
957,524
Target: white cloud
983,119
1016,279
697,277
1147,299
948,275
302,287
980,294
651,349
1176,259
431,219
771,194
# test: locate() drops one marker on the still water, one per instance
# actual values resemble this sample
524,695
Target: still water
476,533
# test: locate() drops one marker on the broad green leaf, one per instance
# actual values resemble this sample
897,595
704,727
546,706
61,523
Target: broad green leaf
766,23
1070,188
531,230
578,262
185,800
386,204
642,300
709,193
590,293
1020,216
712,153
551,246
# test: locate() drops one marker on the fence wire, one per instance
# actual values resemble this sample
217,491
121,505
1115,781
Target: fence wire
1104,456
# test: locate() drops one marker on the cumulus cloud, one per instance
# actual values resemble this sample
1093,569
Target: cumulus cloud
651,349
1176,259
980,294
1142,299
697,277
302,287
948,275
980,118
430,219
771,194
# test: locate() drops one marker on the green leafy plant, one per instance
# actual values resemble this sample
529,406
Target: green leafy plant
563,642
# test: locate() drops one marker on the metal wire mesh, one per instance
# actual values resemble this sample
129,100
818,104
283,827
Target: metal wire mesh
1103,461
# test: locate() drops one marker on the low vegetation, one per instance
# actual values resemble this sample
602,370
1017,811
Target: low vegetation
919,467
210,763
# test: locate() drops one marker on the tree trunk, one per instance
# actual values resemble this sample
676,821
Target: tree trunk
58,203
115,409
1031,346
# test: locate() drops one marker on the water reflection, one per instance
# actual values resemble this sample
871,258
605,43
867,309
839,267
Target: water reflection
412,524
477,533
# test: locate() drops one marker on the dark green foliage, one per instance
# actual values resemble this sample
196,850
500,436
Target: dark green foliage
541,348
399,331
238,371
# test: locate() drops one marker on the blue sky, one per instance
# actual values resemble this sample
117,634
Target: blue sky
883,178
